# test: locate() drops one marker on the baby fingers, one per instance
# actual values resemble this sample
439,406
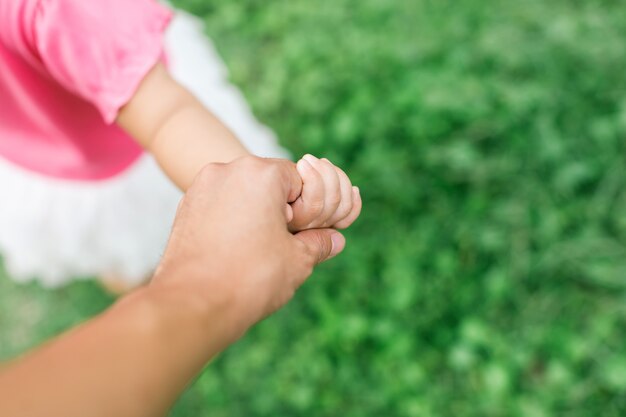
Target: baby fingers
357,205
345,206
309,206
332,188
328,198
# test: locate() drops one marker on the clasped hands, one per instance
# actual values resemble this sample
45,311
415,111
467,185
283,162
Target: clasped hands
249,233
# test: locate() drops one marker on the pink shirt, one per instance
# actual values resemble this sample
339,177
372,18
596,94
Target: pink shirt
66,68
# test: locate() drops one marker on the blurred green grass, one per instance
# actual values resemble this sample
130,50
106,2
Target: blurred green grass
487,275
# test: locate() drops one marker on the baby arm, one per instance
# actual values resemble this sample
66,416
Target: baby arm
171,124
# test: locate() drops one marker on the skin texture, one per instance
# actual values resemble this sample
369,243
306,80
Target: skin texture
328,198
230,262
183,136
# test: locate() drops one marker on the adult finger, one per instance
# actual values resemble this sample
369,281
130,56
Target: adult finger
321,245
273,175
290,178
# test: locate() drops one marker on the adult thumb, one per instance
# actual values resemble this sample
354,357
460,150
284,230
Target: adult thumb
322,244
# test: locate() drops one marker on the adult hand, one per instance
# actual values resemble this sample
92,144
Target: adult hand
231,243
230,262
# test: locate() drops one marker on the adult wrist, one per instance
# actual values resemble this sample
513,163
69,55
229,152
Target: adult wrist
177,299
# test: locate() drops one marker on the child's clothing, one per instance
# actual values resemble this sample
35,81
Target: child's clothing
79,197
68,66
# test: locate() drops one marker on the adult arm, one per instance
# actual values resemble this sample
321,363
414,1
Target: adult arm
230,262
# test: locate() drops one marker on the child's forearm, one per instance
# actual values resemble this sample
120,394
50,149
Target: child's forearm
172,124
188,140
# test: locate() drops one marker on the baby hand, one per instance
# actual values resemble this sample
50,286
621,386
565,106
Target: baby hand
328,198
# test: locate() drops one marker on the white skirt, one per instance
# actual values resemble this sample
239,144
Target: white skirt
54,230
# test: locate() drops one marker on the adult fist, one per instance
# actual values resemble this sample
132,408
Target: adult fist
230,243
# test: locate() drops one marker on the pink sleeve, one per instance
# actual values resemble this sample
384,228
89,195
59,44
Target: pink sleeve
99,49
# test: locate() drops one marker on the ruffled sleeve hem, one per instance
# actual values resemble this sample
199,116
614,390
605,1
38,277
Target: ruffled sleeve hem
100,51
132,70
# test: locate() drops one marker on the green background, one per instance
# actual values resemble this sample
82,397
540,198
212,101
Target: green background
487,275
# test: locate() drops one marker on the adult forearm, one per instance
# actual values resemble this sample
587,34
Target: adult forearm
133,360
230,261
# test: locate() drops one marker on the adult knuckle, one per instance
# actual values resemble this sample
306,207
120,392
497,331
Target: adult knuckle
306,251
251,162
324,248
310,260
263,171
207,173
273,170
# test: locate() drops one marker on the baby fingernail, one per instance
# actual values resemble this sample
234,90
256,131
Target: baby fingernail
310,158
357,190
303,165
